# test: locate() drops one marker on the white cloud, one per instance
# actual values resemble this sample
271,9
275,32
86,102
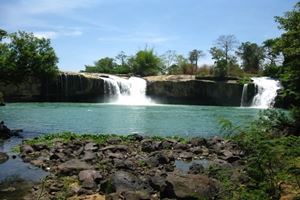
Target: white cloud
53,34
45,34
138,38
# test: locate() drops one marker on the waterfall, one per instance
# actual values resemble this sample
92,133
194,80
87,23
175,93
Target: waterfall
267,92
244,95
130,91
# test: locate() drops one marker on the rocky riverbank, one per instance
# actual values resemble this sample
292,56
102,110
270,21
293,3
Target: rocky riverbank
132,167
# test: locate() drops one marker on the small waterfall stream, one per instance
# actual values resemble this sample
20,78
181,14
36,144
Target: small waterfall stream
130,91
244,95
267,92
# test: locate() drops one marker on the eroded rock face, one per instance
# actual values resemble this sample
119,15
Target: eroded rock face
191,91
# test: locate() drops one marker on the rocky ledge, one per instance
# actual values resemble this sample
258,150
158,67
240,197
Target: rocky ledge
132,167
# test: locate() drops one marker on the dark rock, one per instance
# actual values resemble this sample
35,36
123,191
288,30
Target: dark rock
57,156
115,148
159,158
89,178
135,137
181,146
73,166
148,145
39,147
26,149
232,159
124,181
114,140
3,157
196,168
196,150
124,164
198,141
167,144
158,182
190,187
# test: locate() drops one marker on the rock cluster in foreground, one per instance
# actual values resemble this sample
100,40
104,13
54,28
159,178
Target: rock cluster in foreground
133,168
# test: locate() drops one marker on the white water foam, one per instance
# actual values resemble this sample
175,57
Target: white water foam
130,91
267,92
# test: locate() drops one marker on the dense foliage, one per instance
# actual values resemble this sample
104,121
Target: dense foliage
23,56
271,166
144,63
289,45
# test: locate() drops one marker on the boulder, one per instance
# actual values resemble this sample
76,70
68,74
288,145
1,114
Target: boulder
26,149
190,187
73,166
89,178
126,181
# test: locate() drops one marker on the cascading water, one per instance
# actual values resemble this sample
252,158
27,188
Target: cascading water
244,95
130,91
267,92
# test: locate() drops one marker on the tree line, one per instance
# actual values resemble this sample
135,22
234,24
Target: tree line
226,54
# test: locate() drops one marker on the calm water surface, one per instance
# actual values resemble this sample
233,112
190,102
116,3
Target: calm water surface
182,120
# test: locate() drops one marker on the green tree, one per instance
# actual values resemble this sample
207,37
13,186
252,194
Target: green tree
221,54
104,65
24,56
273,58
146,63
251,55
194,56
289,44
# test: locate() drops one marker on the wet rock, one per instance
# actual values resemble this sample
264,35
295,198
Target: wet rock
159,158
190,187
89,178
26,149
73,166
196,168
3,157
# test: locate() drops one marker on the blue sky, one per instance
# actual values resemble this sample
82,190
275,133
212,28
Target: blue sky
82,31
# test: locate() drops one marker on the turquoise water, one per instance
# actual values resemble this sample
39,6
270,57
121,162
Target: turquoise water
183,120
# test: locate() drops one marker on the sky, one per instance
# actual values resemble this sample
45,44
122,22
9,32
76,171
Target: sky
83,31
